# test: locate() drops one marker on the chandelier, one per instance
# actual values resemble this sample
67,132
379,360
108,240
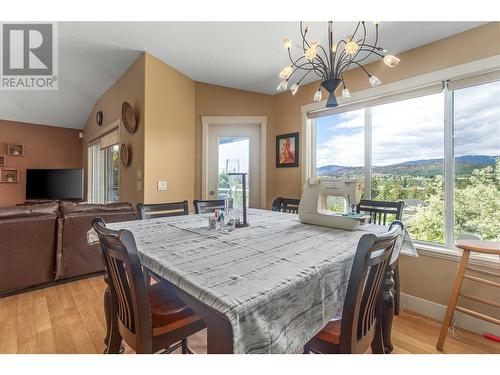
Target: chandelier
331,64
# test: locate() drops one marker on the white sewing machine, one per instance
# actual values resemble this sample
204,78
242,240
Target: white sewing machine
313,204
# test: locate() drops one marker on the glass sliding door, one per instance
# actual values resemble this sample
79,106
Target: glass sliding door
103,173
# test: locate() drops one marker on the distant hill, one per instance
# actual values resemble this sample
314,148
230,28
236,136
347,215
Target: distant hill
464,165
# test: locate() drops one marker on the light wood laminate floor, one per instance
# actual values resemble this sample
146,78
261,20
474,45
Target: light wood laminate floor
69,318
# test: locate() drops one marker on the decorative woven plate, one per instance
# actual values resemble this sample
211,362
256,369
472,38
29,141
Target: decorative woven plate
124,154
128,118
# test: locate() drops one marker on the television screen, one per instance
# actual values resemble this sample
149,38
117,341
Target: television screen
54,184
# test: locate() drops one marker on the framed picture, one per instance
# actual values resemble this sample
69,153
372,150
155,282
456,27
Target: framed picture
287,150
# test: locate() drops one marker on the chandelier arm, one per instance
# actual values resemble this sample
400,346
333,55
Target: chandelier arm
345,65
360,42
326,56
304,76
362,67
372,47
341,56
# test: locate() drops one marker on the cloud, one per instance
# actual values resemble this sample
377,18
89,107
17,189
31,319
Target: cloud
414,129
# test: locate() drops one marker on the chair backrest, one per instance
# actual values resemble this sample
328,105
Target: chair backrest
204,207
290,205
468,236
127,284
153,211
364,289
379,210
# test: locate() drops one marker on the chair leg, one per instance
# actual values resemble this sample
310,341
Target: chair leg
397,290
184,346
453,300
306,350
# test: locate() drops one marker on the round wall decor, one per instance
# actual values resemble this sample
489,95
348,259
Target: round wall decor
128,117
124,154
99,118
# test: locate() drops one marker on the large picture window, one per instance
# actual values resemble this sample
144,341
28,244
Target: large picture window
400,147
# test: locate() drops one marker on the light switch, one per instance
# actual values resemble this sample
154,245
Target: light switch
139,174
139,185
162,185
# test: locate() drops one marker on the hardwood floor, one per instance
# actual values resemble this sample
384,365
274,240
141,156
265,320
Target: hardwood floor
69,318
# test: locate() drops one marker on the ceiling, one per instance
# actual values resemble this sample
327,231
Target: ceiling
243,55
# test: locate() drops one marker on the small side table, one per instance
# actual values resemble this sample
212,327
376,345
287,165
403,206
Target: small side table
468,246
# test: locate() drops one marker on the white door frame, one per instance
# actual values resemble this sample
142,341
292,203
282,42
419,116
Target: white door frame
261,121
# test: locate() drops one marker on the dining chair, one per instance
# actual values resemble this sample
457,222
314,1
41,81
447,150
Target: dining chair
150,317
153,211
383,213
207,206
290,205
356,329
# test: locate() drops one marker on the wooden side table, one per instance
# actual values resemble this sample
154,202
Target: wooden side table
468,246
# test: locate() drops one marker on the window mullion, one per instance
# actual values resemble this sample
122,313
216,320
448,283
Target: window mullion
368,153
449,169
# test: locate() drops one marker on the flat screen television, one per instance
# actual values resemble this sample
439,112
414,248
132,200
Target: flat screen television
56,184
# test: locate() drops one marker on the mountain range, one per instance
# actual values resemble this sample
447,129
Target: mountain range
464,165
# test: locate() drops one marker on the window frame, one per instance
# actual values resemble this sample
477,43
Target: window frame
396,91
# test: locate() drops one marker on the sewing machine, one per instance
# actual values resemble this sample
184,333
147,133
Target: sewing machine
313,204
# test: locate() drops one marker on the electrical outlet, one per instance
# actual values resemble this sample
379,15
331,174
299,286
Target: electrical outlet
162,185
139,185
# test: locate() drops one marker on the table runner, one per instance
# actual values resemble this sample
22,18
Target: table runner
277,281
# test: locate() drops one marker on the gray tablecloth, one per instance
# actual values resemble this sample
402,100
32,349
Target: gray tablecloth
278,281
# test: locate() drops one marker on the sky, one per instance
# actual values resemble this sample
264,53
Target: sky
413,129
234,150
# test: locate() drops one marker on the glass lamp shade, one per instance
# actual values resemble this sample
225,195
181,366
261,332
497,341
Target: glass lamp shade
318,96
294,88
374,81
391,60
311,52
282,86
286,72
287,43
346,93
351,47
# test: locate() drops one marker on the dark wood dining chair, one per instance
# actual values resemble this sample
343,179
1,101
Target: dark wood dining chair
383,213
150,317
153,211
290,205
204,207
357,329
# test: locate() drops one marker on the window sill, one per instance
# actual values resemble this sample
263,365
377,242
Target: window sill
441,252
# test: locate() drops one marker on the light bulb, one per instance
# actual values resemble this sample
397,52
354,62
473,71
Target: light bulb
351,47
282,86
346,93
334,47
287,43
318,96
311,52
374,81
286,72
294,88
376,23
391,60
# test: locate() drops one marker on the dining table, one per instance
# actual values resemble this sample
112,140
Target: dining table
265,288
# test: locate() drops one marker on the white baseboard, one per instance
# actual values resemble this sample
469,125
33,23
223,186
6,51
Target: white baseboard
437,311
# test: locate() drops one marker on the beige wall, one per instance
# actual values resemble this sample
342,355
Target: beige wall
214,100
424,277
170,133
44,147
129,87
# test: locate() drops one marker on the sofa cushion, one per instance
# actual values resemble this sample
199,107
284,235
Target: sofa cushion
70,207
31,210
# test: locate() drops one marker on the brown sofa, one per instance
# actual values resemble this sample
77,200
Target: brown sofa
76,257
27,245
45,243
